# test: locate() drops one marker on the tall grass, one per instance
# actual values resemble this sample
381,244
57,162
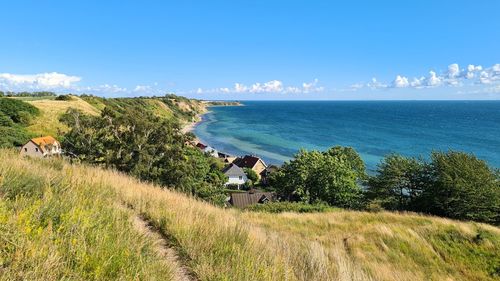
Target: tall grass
55,226
217,244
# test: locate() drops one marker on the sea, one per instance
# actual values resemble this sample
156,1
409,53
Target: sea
277,130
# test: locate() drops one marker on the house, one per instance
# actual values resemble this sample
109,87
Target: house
236,175
41,147
211,151
251,162
207,149
264,176
201,146
242,200
226,158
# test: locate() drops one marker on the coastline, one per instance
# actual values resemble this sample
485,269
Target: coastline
189,126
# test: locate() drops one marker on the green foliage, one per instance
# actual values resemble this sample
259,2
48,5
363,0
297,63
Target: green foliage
17,110
297,207
146,146
453,184
5,120
28,94
251,174
64,98
398,182
14,116
463,187
351,157
313,177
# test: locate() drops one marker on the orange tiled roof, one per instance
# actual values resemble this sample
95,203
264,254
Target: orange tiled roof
42,142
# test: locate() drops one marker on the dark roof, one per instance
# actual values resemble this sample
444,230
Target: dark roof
248,161
233,170
270,169
241,200
223,155
200,145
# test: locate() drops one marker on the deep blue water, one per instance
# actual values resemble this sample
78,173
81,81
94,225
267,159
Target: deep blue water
276,130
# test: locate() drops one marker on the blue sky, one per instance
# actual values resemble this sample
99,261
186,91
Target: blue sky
254,49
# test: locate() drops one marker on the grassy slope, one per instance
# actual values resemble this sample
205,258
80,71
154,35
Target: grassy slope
51,110
66,225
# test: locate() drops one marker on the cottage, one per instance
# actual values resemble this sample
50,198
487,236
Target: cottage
201,146
266,173
236,175
242,200
226,158
251,162
211,151
41,147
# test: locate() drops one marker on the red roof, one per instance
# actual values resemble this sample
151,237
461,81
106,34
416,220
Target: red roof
44,142
201,146
248,161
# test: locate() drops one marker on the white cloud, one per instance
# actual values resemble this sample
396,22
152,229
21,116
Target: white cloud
453,76
40,81
433,80
400,82
273,86
453,70
106,88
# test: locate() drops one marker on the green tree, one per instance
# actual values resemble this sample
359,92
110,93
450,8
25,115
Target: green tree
351,157
251,174
146,146
398,183
314,177
463,187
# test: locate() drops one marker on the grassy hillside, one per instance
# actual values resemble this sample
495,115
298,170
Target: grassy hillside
61,221
47,121
51,110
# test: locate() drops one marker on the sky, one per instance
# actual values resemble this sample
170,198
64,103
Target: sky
254,50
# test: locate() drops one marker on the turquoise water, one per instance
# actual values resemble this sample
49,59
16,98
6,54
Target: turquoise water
276,130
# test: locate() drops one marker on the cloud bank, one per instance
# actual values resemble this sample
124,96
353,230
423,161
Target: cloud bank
41,81
273,86
453,76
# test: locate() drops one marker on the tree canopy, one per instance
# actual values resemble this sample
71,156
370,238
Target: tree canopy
146,146
314,177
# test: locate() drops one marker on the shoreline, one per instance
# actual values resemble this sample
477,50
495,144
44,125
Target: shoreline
189,126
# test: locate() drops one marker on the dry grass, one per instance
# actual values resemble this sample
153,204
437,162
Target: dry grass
220,244
51,110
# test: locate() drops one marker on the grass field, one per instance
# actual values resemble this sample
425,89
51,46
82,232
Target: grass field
62,221
51,110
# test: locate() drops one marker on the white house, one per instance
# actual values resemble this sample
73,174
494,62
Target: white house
236,175
41,147
211,151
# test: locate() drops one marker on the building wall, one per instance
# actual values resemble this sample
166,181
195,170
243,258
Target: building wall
30,149
236,180
258,168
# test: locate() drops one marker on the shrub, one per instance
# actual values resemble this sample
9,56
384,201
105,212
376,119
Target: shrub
297,207
64,98
251,174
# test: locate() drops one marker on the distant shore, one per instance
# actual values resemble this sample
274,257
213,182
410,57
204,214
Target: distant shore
189,127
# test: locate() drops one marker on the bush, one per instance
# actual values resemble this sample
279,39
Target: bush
251,174
17,110
297,207
64,98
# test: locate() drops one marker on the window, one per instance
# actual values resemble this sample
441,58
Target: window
25,149
241,177
36,149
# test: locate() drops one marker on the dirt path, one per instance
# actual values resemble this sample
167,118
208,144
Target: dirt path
162,247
